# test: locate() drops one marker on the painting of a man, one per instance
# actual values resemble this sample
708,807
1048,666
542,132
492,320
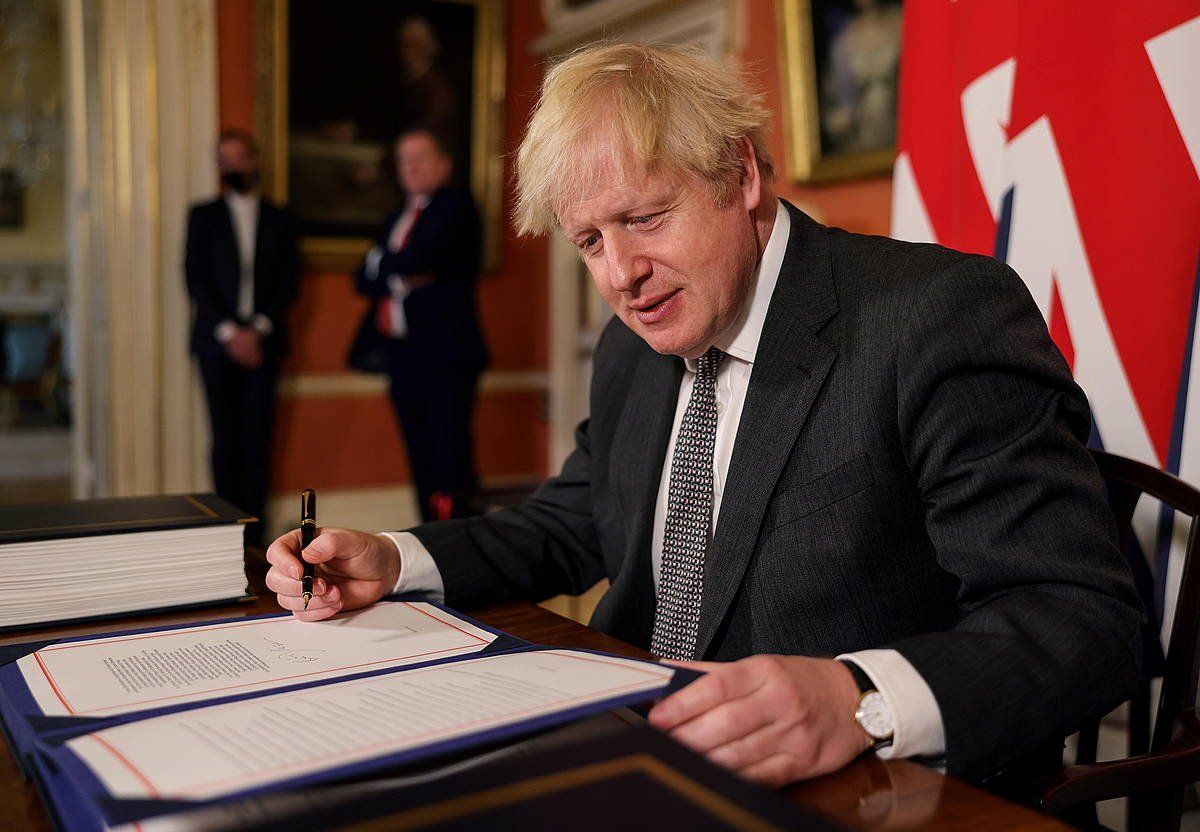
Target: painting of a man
385,69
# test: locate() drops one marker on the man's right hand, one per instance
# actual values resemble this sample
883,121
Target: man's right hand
353,569
244,348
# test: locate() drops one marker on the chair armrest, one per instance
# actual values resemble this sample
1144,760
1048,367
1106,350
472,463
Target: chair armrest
1175,765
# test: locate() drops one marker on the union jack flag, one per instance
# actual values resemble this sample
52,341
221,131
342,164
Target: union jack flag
1064,139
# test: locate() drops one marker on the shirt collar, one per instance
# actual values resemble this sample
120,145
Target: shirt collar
241,200
741,339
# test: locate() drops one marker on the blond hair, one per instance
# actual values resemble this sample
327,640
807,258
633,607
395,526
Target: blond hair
669,110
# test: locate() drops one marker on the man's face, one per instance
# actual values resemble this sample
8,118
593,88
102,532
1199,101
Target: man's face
421,165
234,157
672,265
416,47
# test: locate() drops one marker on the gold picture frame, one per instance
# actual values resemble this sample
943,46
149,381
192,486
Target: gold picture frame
343,253
809,159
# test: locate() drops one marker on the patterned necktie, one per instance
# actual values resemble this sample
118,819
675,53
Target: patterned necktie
689,518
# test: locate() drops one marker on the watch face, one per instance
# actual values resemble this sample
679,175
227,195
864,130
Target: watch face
874,715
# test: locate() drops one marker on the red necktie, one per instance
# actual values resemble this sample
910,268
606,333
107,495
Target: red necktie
383,308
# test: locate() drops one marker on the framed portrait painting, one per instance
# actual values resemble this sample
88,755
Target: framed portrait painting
840,61
347,80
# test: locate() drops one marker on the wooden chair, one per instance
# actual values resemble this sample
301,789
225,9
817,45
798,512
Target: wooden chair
1163,758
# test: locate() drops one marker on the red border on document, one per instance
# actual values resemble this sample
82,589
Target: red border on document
76,712
366,750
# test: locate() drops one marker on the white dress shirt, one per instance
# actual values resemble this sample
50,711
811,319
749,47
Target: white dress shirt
243,209
918,729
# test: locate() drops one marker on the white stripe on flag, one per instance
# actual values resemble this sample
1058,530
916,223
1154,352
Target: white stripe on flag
1046,248
910,220
986,108
1175,55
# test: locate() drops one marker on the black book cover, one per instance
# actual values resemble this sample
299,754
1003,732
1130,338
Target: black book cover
114,515
631,779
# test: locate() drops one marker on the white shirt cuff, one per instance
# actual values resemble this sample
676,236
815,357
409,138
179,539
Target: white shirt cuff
917,721
418,572
263,324
224,331
374,256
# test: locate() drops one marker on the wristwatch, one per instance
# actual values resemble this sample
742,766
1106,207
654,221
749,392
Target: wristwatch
872,712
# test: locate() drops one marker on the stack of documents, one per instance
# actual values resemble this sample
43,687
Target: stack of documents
90,558
126,727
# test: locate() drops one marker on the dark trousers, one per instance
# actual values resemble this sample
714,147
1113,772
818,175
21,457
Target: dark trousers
434,406
241,409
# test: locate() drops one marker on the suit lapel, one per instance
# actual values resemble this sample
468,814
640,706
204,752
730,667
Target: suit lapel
260,235
789,369
231,239
233,265
640,444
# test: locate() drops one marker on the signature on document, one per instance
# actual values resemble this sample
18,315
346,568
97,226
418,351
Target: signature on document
287,654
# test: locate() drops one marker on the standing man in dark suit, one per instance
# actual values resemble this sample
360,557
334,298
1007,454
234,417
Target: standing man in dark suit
420,276
848,472
242,271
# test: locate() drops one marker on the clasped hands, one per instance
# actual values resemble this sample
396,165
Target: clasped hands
772,719
244,348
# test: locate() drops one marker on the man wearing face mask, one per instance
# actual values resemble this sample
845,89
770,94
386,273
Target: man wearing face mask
242,270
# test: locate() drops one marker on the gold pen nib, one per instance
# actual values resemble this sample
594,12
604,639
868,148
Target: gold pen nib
307,597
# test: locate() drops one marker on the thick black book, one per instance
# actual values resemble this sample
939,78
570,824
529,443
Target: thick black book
88,559
630,779
115,515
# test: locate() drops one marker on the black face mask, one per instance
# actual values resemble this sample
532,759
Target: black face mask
240,181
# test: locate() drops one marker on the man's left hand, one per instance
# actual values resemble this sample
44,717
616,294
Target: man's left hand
772,719
245,348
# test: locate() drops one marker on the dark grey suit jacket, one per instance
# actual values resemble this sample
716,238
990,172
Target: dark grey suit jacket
909,472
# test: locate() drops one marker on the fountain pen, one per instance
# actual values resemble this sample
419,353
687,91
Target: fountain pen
308,528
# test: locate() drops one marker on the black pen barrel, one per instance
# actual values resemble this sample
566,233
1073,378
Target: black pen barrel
308,529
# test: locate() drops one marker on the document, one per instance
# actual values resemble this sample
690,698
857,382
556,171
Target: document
120,674
271,807
218,750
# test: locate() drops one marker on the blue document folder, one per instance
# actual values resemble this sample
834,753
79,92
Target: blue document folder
62,752
25,722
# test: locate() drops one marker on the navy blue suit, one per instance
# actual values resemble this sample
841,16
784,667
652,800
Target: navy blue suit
241,402
435,367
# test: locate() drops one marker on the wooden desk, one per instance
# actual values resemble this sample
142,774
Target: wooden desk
869,794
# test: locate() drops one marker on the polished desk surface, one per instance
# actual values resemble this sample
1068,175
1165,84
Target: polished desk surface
869,794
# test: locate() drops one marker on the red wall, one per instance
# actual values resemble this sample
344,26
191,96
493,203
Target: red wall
235,63
514,300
